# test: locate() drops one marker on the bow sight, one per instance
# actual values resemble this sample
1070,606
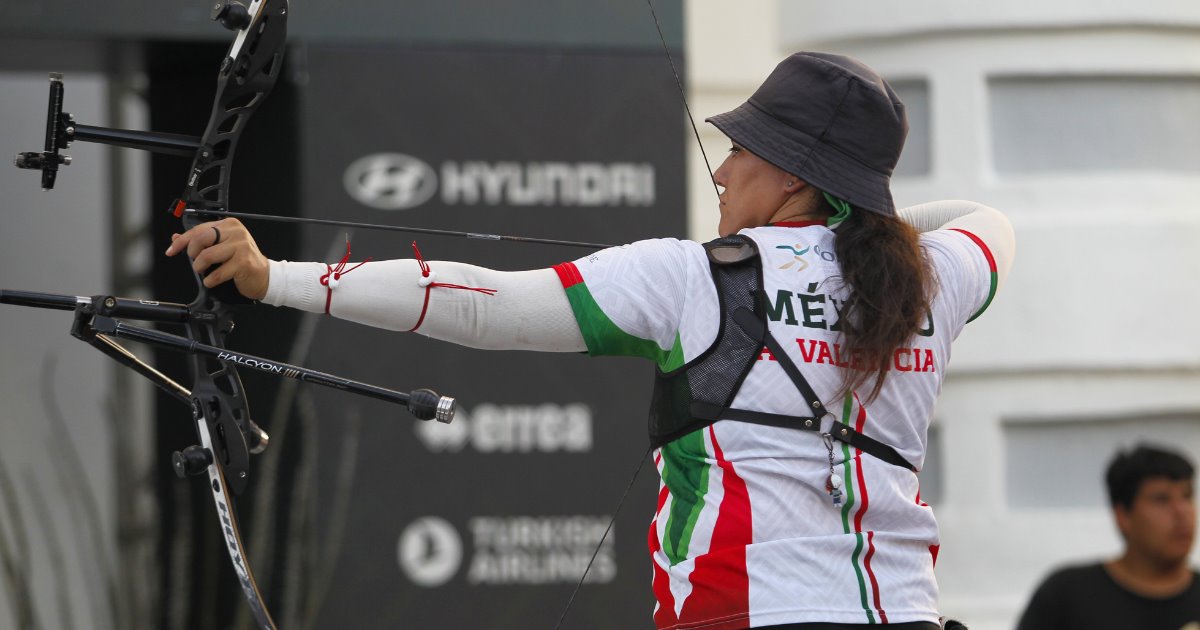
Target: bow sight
62,130
255,58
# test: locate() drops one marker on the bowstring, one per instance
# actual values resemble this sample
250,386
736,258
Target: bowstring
683,97
645,456
596,551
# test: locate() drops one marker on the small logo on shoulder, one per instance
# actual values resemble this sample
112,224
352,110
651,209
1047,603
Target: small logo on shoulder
800,251
797,251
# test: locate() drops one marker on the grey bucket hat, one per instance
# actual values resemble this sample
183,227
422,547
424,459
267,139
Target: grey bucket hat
829,120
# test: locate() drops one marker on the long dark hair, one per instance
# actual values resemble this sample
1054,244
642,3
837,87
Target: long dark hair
890,285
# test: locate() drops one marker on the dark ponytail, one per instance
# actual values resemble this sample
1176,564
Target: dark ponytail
889,283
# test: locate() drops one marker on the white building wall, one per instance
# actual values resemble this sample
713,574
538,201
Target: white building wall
1091,344
54,243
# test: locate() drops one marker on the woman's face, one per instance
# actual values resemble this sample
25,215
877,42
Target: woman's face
752,190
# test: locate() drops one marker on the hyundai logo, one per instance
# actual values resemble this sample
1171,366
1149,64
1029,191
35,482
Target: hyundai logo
390,181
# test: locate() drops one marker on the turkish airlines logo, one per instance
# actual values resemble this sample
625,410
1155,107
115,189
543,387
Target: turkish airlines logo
543,549
430,551
390,181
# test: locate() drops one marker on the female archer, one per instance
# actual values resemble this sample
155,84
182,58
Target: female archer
799,356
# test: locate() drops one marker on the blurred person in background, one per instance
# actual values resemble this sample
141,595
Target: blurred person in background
773,510
1150,586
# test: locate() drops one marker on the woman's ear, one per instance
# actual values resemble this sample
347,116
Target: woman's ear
793,184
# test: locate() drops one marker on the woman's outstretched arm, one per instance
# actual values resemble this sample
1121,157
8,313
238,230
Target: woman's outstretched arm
460,303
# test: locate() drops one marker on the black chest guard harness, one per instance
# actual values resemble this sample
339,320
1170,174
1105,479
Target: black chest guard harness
702,391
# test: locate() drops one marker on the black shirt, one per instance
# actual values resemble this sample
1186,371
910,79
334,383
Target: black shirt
1087,598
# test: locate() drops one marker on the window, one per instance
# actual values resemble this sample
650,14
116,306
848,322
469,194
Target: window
1061,463
1087,124
915,161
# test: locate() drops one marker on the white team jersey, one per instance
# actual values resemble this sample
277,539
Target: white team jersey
745,532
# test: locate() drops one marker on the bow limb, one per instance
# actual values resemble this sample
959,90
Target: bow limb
219,407
696,132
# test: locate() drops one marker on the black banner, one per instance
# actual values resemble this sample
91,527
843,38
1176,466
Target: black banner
489,521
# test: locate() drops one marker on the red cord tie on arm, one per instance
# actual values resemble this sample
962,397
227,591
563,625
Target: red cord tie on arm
427,281
333,275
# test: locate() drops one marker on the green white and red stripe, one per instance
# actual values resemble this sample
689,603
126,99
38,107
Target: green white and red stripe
603,337
856,492
991,261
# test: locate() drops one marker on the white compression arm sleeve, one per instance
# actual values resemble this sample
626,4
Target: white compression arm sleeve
529,310
989,224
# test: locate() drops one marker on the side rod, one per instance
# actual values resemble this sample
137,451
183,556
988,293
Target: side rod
423,403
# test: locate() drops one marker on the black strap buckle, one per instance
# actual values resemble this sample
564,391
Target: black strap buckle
756,328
